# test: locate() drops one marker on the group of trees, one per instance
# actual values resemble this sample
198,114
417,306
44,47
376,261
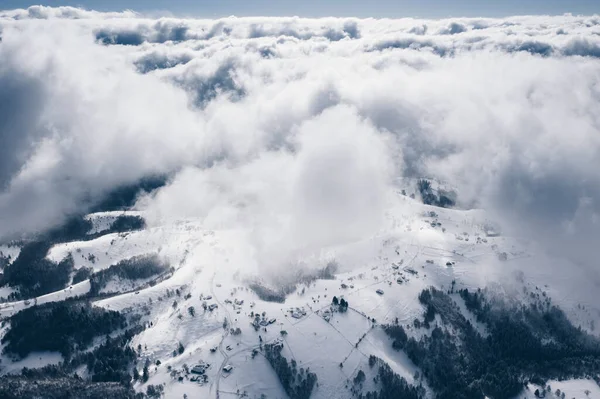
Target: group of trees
4,260
112,361
125,223
82,274
267,294
359,378
70,327
283,287
63,327
136,268
75,228
35,275
523,344
341,303
155,391
78,228
298,384
63,387
397,333
390,384
328,272
124,197
441,198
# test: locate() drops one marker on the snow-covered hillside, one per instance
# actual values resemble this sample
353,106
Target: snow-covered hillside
380,277
295,207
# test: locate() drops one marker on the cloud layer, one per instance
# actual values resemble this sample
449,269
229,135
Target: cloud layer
301,128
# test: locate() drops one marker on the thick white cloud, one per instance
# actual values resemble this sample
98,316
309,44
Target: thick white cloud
297,128
330,189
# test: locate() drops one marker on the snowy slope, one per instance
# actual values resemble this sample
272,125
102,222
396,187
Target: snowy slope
420,246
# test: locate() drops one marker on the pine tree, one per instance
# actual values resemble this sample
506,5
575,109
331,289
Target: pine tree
145,374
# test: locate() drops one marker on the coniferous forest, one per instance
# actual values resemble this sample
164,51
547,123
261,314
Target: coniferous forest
534,342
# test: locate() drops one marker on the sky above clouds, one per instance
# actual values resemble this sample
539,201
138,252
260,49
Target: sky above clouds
303,128
340,8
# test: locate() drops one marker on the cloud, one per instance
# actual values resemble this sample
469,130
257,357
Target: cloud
453,29
331,188
44,12
160,32
298,130
533,47
20,98
122,37
582,47
156,60
79,113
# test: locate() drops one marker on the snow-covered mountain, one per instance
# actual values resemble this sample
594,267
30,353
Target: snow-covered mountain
303,208
209,317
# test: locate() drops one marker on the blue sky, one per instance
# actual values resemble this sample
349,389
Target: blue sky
316,8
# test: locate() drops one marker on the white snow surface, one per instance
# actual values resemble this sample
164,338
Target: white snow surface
11,308
575,388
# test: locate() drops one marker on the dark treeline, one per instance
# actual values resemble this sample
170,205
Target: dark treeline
540,338
527,343
82,274
392,386
63,327
70,327
288,285
35,275
397,333
441,198
109,369
267,294
4,261
124,197
77,228
65,387
136,268
112,361
127,223
298,384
